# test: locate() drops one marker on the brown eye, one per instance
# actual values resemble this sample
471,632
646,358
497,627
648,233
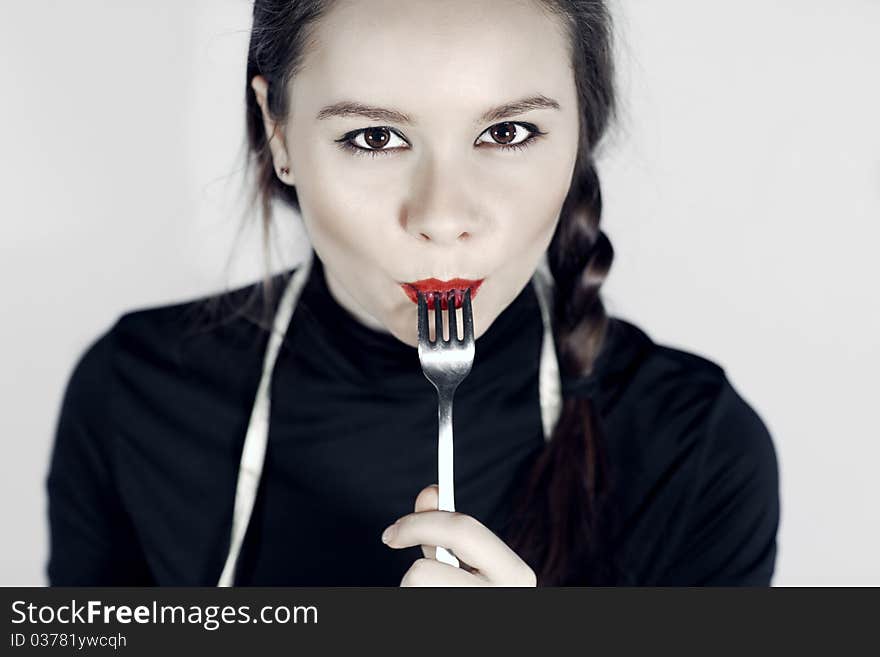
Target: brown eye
376,137
372,141
503,133
510,135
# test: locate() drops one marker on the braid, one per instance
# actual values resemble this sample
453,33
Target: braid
579,257
563,500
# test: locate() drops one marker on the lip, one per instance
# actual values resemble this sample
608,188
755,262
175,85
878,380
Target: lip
429,286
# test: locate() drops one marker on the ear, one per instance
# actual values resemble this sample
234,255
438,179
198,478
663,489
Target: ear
274,134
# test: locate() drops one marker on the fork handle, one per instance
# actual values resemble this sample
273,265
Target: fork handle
445,460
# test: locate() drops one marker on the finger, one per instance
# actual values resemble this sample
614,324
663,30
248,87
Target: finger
467,537
430,572
428,500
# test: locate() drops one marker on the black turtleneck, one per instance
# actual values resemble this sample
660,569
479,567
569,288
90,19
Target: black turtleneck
150,432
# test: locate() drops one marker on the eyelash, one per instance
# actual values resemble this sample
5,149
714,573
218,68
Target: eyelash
346,145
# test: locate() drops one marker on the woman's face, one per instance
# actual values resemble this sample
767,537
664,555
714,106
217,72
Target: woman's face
433,193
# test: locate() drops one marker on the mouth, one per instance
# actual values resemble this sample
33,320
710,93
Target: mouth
434,289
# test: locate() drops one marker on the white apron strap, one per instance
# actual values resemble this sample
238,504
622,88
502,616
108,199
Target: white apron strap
549,383
254,452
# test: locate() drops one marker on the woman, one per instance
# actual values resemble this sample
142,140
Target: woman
273,441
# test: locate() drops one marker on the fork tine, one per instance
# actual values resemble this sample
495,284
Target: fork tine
467,314
453,320
438,319
423,318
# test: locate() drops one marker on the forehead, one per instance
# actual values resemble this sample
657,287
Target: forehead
417,52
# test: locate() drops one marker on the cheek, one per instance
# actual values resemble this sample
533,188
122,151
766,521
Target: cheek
533,207
341,204
339,217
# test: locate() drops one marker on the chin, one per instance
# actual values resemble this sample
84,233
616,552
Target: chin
410,336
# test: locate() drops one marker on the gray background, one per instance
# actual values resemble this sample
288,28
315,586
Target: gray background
742,196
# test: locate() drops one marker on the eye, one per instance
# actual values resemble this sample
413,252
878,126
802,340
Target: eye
509,133
373,141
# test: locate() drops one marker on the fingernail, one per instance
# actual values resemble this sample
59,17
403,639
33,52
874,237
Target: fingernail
389,533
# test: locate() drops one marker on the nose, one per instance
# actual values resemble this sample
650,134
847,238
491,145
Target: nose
441,208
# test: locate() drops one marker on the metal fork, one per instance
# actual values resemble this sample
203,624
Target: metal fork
446,363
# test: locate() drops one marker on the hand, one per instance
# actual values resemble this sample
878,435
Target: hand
490,562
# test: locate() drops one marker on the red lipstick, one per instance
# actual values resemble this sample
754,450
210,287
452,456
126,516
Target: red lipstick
430,287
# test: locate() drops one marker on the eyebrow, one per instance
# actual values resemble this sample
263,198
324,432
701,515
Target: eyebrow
351,108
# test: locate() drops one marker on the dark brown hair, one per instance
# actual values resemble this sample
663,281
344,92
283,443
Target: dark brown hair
561,515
